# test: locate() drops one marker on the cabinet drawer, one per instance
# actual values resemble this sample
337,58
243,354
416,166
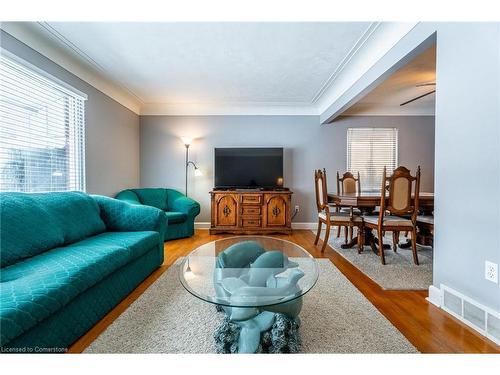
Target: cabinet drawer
250,210
250,222
251,199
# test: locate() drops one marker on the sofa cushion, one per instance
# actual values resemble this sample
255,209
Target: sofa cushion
128,196
156,197
77,214
26,228
175,217
33,289
137,242
32,223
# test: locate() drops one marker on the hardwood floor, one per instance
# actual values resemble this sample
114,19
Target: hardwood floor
427,327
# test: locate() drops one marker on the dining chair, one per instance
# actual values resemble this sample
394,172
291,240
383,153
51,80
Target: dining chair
398,213
347,184
327,214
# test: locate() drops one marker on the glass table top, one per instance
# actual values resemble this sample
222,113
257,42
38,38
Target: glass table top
248,271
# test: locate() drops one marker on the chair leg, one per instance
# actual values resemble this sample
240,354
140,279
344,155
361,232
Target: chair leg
325,240
395,240
338,231
414,245
381,246
318,233
361,238
346,234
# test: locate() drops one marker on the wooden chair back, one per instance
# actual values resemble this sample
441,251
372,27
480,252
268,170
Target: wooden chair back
348,184
321,189
399,188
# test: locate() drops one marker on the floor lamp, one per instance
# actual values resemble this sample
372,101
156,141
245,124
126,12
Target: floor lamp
197,172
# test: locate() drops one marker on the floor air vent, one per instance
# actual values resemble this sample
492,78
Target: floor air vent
472,313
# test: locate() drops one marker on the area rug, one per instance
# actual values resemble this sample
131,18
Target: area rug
336,318
399,272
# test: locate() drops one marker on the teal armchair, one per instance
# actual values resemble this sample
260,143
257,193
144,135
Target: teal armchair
179,209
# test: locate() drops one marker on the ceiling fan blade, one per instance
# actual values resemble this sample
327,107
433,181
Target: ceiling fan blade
418,97
426,84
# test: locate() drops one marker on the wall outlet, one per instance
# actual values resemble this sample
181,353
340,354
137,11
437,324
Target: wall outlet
491,271
297,208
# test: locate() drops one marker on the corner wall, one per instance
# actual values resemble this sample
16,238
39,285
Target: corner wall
467,210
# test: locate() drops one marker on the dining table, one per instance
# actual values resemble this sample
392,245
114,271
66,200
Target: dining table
367,202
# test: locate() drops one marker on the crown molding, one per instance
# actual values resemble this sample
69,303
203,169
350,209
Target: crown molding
77,63
361,109
43,38
387,114
359,43
373,47
221,109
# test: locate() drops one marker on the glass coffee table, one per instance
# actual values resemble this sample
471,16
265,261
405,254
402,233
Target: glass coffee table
258,283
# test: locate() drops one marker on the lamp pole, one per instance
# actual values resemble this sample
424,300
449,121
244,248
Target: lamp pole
197,172
187,165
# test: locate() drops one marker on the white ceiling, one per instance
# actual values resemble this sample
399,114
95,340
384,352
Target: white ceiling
168,65
400,87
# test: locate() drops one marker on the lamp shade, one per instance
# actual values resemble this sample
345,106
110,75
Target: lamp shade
187,140
198,172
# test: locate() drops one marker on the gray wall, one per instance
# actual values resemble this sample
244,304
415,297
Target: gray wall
467,216
112,131
308,145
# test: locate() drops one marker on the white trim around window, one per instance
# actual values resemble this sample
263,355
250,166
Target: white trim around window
42,130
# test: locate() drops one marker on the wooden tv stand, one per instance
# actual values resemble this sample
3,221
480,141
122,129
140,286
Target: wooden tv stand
251,212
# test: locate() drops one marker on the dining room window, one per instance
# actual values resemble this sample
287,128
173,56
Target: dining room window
42,124
368,151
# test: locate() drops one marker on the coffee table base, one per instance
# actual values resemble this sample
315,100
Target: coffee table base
268,332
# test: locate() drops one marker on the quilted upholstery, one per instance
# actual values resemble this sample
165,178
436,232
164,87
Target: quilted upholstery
179,202
34,223
40,286
33,289
63,327
121,216
128,196
156,197
181,210
174,217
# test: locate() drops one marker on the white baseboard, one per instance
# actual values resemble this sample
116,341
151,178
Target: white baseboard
435,296
305,225
201,225
308,226
482,319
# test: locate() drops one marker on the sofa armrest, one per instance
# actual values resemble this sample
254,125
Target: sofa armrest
184,204
125,217
128,196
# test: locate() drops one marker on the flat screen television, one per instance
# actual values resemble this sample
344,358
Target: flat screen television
248,168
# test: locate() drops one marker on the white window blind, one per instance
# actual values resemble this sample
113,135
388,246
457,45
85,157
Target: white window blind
41,131
368,151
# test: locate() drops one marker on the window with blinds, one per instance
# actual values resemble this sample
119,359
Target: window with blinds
41,131
368,151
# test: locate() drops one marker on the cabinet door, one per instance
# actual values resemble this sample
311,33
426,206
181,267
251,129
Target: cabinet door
276,210
226,210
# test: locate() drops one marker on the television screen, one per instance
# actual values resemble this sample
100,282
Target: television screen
248,167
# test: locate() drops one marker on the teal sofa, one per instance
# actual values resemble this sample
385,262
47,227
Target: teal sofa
179,209
66,260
